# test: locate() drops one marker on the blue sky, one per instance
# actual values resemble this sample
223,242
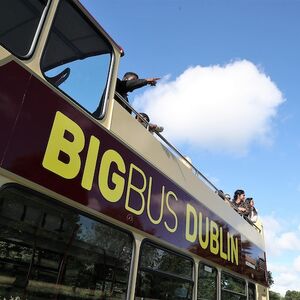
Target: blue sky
238,63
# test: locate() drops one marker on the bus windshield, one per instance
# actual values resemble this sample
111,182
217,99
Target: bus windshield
77,58
19,20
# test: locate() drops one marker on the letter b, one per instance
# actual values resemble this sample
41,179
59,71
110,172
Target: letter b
58,143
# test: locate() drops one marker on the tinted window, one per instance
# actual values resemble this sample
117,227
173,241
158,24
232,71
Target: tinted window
77,58
251,291
19,20
207,283
163,274
51,252
232,288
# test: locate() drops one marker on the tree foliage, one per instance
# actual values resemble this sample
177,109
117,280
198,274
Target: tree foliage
270,278
292,295
289,295
274,296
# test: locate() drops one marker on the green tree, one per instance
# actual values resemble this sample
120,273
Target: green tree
274,296
270,278
292,295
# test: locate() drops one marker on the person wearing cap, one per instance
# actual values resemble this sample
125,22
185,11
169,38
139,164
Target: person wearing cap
129,83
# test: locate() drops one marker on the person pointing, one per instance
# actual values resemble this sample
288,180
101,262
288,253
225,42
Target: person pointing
131,82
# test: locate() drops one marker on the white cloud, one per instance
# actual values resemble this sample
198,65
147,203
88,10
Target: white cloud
283,259
286,281
275,267
278,237
297,264
216,107
289,241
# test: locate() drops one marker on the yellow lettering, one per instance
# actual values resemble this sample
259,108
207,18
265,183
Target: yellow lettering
214,236
149,203
234,251
90,164
228,246
203,243
222,253
58,143
111,194
170,193
140,191
190,210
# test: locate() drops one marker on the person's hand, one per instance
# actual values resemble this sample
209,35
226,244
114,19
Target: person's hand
152,81
155,128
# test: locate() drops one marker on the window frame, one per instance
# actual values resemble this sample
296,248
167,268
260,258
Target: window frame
230,291
93,24
217,277
36,36
53,201
161,247
255,289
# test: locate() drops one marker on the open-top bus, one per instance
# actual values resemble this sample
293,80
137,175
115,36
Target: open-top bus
92,205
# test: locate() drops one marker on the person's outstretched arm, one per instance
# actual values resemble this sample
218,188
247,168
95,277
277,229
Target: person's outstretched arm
130,85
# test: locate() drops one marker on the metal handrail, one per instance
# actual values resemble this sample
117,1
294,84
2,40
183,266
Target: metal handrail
206,180
174,149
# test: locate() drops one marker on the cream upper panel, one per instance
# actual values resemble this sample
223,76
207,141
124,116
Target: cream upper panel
5,56
133,134
33,63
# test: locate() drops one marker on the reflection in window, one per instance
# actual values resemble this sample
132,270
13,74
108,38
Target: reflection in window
19,20
163,274
51,252
232,288
207,283
251,291
77,58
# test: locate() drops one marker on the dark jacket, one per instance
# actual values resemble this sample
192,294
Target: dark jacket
125,86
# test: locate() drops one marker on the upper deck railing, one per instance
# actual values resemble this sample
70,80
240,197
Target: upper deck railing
171,147
175,151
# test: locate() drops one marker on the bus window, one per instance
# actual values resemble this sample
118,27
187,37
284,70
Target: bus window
77,58
48,251
251,291
163,274
19,20
207,283
232,288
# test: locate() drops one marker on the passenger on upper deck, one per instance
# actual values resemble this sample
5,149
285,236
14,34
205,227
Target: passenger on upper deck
238,202
151,127
251,210
225,197
129,83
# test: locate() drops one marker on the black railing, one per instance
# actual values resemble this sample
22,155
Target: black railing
174,150
171,147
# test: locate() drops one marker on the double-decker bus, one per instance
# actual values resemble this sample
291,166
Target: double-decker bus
92,205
